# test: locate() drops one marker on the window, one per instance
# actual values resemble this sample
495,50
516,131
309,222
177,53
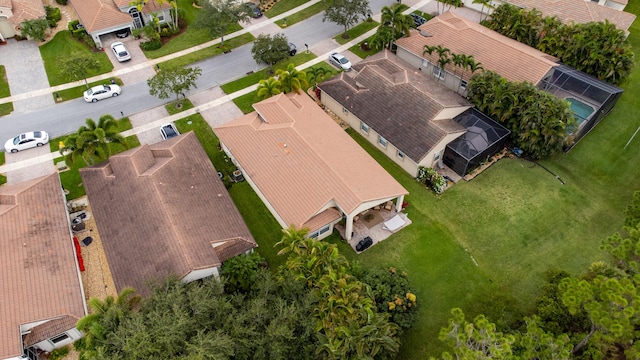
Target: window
400,154
438,73
324,230
364,127
160,18
59,338
463,85
382,141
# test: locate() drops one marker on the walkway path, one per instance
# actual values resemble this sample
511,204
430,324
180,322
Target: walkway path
142,122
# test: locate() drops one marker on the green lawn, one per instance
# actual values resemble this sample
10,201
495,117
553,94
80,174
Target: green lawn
208,52
3,179
6,108
60,47
360,52
356,31
282,7
172,107
300,15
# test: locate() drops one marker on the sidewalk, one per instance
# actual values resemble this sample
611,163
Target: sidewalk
205,109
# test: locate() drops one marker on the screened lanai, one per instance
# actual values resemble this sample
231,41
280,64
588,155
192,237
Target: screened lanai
484,137
590,99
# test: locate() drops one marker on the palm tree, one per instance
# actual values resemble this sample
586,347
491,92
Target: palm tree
485,3
105,318
92,140
316,74
443,59
393,17
383,38
292,79
268,88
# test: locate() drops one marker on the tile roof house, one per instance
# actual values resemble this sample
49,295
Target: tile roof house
103,17
14,12
591,99
578,11
511,59
405,112
162,210
304,167
40,285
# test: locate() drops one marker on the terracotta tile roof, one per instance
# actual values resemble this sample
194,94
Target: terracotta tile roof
6,4
302,161
38,273
162,210
398,102
24,10
509,58
49,329
578,11
154,6
97,15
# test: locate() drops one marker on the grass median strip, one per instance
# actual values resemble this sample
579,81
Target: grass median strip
356,31
208,52
6,108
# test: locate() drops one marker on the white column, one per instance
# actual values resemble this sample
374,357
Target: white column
348,228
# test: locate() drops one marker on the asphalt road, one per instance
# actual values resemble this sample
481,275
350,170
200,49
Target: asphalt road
64,118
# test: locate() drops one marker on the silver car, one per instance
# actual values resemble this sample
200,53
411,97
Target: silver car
101,92
340,61
120,51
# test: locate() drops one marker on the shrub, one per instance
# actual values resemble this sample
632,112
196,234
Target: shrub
59,353
431,178
62,2
151,45
53,13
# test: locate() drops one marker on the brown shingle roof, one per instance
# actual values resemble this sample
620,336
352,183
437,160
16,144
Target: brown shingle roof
162,210
24,10
49,329
98,15
38,273
398,102
509,58
578,11
302,161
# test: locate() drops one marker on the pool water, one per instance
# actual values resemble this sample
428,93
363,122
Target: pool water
580,109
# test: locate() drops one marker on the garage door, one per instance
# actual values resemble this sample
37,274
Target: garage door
6,29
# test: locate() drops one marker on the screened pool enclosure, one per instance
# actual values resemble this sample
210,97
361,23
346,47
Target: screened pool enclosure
484,137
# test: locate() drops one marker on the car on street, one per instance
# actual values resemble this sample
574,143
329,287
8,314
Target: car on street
26,141
120,51
340,61
418,20
255,10
292,49
167,131
101,92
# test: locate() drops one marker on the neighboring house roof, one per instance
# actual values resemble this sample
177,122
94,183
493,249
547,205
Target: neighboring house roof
161,210
24,10
301,160
98,15
509,58
49,329
149,6
39,278
398,102
578,11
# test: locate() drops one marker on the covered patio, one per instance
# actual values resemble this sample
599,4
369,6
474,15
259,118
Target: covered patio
371,223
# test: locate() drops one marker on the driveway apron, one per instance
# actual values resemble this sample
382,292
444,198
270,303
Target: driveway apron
25,73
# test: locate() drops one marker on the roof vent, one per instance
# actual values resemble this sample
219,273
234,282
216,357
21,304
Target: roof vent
425,34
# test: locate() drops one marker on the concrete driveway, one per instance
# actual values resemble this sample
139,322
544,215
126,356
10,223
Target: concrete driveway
25,73
137,57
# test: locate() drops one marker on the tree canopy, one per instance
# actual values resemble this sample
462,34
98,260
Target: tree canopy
346,12
270,49
91,141
173,81
77,66
218,15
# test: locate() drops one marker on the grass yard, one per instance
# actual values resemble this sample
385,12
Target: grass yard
356,31
3,179
62,45
300,15
172,108
6,108
360,52
246,81
207,52
282,7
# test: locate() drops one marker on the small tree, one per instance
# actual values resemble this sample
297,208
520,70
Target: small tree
34,29
173,81
218,15
346,12
270,50
77,66
268,88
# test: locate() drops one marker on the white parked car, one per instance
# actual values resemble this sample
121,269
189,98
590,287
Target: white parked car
340,61
120,51
101,92
167,131
26,141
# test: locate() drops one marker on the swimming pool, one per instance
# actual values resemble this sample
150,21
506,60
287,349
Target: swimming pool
580,109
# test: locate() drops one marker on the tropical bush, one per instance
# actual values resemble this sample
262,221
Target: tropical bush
431,178
53,15
596,48
393,294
